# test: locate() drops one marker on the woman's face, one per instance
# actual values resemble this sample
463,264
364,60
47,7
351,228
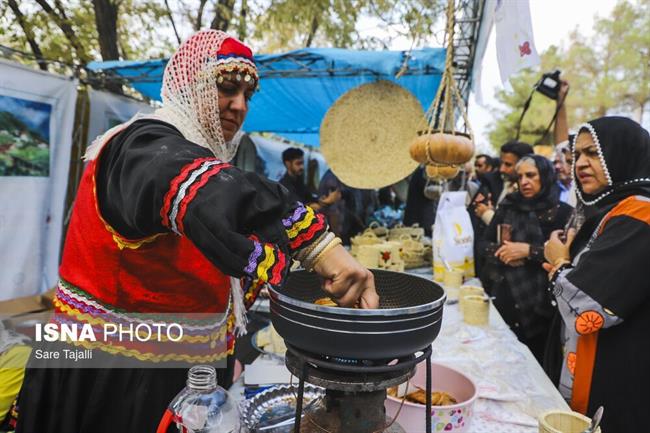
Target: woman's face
529,181
233,105
589,169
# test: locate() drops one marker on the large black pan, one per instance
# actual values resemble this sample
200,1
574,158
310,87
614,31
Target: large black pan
408,318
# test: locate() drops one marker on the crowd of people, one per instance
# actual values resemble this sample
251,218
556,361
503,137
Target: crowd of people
560,246
162,223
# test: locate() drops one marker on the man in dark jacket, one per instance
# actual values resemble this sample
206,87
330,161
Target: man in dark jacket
294,162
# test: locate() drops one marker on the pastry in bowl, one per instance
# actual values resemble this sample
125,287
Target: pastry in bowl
447,416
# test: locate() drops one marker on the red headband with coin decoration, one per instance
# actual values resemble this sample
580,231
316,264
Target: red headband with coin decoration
234,61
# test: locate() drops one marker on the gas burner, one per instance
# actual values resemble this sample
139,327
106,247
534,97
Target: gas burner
343,360
355,390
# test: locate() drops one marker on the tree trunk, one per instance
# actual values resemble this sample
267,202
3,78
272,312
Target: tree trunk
243,11
29,34
64,24
199,16
312,32
106,21
223,13
171,19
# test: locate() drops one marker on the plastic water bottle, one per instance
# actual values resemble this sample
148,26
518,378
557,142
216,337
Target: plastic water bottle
202,406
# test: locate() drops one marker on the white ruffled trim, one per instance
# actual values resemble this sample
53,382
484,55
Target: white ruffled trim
237,296
599,149
98,143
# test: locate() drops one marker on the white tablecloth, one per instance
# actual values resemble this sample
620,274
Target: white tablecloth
513,388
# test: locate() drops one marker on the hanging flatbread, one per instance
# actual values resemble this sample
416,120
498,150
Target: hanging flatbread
365,135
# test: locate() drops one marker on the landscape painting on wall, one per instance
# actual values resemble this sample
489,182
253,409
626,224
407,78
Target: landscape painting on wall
24,137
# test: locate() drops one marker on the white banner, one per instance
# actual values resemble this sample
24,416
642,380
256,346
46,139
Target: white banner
108,109
485,29
515,43
36,119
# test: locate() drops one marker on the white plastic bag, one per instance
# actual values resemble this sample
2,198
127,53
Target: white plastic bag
453,236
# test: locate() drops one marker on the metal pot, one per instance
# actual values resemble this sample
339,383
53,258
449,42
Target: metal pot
407,320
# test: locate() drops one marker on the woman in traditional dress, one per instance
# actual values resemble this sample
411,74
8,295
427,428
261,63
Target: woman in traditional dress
164,225
600,278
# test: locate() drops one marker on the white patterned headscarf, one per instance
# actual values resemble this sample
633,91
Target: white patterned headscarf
189,90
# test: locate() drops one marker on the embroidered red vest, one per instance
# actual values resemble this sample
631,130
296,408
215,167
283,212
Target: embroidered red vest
160,274
105,276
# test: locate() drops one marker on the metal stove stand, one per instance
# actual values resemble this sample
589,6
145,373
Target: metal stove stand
355,390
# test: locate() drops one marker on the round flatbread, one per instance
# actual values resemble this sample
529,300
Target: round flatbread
365,135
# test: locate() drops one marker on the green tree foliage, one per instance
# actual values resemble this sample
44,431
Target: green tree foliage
290,24
145,29
607,72
138,29
627,32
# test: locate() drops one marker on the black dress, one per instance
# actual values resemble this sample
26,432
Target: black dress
132,172
521,293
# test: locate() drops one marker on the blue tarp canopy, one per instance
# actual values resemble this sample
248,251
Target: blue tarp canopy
297,88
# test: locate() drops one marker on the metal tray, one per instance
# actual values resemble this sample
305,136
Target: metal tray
275,405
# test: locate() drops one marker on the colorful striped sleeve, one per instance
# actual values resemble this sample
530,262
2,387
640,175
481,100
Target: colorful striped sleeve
303,226
153,181
267,264
184,188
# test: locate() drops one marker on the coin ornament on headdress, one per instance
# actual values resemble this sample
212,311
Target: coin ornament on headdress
234,62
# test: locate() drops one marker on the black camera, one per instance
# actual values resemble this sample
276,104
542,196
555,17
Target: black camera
549,84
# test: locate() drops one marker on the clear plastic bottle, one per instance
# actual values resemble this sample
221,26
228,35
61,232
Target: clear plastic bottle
202,406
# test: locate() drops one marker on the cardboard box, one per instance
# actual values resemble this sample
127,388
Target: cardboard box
26,305
22,314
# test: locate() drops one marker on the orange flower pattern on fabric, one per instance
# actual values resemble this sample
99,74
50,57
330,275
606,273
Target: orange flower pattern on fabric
588,322
571,362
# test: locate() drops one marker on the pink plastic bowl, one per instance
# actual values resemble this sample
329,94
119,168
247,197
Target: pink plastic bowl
455,418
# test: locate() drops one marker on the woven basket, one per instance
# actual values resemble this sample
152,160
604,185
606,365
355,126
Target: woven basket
379,230
468,291
368,256
411,263
560,421
365,135
367,238
476,310
399,231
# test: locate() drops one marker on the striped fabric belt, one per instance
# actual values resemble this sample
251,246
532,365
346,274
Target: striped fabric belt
146,337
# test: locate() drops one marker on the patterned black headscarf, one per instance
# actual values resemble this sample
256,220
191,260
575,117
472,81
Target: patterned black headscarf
624,150
549,194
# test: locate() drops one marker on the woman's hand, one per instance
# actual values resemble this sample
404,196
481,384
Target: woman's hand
555,250
346,280
510,252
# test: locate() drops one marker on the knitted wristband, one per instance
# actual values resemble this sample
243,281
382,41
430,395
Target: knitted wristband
307,262
336,242
303,253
